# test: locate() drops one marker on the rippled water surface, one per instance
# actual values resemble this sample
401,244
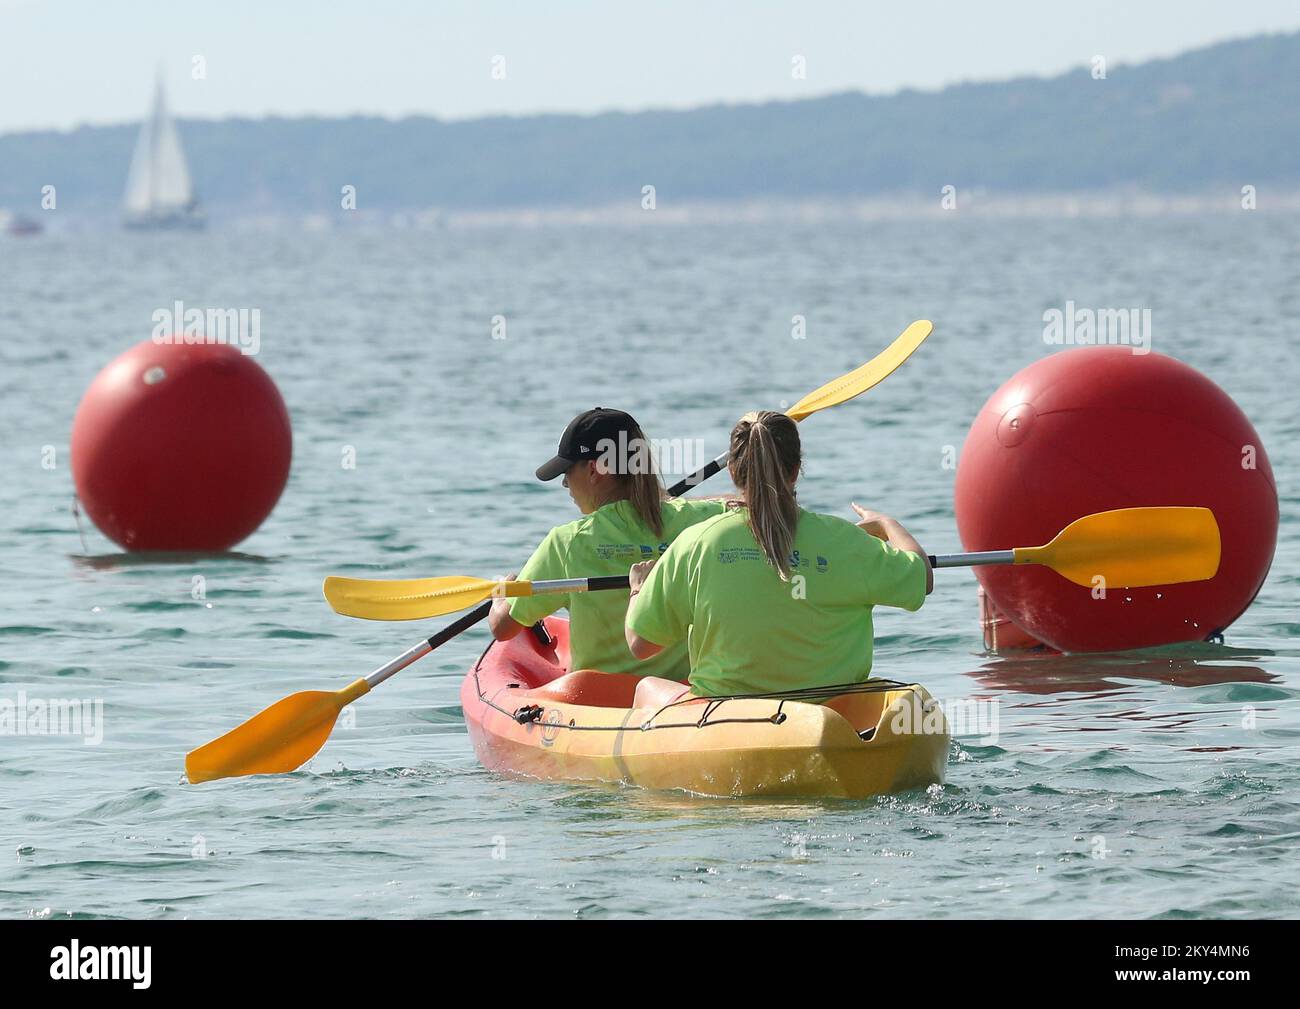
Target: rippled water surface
1120,785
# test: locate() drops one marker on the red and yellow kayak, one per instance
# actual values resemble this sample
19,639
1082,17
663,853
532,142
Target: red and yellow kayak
528,715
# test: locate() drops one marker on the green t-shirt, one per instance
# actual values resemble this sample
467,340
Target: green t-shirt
607,542
750,632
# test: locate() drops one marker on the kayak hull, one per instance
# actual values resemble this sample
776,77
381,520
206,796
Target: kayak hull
527,715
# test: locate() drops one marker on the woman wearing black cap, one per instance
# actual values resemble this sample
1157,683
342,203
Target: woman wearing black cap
609,472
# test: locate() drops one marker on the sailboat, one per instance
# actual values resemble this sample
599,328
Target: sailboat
20,224
159,194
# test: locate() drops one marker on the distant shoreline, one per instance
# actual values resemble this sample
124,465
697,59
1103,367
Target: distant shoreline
1111,205
911,206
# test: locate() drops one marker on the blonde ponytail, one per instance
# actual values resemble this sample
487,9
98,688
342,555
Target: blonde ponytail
639,482
765,458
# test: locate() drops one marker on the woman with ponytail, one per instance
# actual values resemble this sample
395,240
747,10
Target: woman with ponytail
609,471
768,596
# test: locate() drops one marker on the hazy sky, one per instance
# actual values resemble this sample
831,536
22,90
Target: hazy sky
65,62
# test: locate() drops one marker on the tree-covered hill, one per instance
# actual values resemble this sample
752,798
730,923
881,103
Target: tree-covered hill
1224,116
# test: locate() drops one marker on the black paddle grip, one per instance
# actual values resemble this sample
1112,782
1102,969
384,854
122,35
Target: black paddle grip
607,582
460,626
698,477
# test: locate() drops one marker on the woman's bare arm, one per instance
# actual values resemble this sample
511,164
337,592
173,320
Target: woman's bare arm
500,622
637,645
892,532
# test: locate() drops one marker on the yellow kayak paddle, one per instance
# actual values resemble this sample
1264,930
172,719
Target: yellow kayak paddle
1123,548
833,393
859,380
420,598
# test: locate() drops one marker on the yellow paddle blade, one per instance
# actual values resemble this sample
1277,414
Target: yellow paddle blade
1133,547
409,598
277,740
858,381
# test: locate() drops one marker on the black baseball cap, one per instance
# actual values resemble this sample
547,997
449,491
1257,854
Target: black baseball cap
583,438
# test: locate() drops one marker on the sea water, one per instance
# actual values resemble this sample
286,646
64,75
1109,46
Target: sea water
427,375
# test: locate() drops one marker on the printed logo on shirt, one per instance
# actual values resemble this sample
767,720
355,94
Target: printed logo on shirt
619,551
823,564
798,561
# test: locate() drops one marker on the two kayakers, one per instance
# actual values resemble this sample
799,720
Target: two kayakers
608,468
769,596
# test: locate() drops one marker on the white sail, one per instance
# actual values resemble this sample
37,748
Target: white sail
171,176
139,181
158,188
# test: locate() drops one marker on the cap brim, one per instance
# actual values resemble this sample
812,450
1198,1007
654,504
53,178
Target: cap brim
555,467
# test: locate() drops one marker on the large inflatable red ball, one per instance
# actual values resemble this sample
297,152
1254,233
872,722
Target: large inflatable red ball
180,447
1097,428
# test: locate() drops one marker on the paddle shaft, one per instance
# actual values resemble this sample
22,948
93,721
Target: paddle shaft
457,627
425,647
972,560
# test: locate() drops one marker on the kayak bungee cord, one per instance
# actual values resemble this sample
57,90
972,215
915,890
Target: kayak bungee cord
534,712
870,740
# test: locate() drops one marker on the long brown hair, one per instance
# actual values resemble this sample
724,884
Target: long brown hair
638,479
765,457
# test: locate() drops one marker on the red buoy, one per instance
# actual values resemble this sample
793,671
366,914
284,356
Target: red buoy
1097,428
180,447
1001,633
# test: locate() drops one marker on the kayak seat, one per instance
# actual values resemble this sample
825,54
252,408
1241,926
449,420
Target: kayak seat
862,711
589,687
